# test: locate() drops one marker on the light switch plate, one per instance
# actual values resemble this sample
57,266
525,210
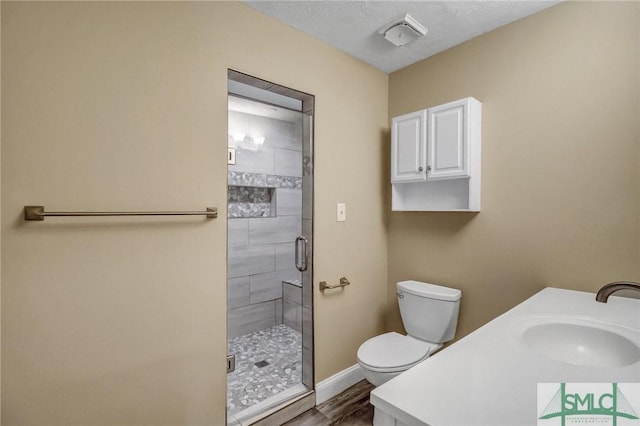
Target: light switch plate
231,156
341,212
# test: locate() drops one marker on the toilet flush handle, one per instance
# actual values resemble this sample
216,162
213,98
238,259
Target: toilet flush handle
400,294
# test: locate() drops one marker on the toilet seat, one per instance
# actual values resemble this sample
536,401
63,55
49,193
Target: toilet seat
392,351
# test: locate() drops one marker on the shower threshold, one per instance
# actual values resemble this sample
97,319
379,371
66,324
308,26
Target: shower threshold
266,407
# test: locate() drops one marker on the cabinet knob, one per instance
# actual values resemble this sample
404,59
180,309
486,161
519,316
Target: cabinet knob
428,168
420,169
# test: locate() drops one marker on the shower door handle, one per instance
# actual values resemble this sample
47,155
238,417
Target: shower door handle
305,254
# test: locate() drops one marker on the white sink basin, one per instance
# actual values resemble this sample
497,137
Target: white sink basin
581,341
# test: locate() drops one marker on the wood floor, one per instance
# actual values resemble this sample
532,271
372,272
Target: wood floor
351,408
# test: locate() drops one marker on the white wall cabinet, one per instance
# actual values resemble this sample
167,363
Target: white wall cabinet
408,151
435,158
447,142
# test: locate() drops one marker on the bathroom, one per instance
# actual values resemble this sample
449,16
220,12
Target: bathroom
124,106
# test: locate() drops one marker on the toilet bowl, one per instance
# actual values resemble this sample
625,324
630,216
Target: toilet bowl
387,355
429,314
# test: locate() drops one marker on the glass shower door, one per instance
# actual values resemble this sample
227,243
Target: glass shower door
270,205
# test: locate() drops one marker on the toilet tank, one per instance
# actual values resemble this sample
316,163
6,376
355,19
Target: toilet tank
429,312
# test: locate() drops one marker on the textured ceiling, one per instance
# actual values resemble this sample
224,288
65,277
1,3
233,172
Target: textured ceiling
352,26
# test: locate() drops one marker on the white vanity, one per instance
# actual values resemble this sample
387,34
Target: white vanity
490,377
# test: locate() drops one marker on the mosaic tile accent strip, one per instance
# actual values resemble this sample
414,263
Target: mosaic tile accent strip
248,385
261,180
290,182
246,179
240,210
272,180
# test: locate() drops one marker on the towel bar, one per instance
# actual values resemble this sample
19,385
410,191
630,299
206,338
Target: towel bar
38,213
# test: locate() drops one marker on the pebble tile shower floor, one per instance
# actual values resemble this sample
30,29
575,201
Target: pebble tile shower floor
267,363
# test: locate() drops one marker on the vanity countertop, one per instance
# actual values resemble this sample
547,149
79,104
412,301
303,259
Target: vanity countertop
490,377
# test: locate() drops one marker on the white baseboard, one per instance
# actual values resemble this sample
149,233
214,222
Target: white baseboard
340,381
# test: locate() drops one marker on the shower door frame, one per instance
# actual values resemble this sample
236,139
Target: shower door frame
306,400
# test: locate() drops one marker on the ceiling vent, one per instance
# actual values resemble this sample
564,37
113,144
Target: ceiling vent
403,31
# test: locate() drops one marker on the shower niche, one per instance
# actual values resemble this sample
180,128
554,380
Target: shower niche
251,201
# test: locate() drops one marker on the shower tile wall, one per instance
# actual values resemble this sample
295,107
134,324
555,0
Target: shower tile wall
261,249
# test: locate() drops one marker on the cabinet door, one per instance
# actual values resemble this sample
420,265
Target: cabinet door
408,147
447,140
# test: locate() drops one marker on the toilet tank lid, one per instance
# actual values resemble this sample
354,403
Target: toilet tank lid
431,291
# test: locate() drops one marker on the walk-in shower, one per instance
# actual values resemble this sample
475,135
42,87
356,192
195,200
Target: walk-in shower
269,267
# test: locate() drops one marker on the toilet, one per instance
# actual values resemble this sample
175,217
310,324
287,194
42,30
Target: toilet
430,316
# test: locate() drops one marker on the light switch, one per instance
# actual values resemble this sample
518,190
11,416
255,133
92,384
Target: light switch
231,156
341,212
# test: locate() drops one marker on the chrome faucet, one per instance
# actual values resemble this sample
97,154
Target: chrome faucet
607,290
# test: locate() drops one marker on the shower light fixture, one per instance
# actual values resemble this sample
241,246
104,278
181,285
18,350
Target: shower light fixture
403,31
246,140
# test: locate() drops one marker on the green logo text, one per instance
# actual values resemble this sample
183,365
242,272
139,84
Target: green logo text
565,404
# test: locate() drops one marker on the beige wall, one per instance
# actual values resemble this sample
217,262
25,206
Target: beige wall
110,106
560,169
